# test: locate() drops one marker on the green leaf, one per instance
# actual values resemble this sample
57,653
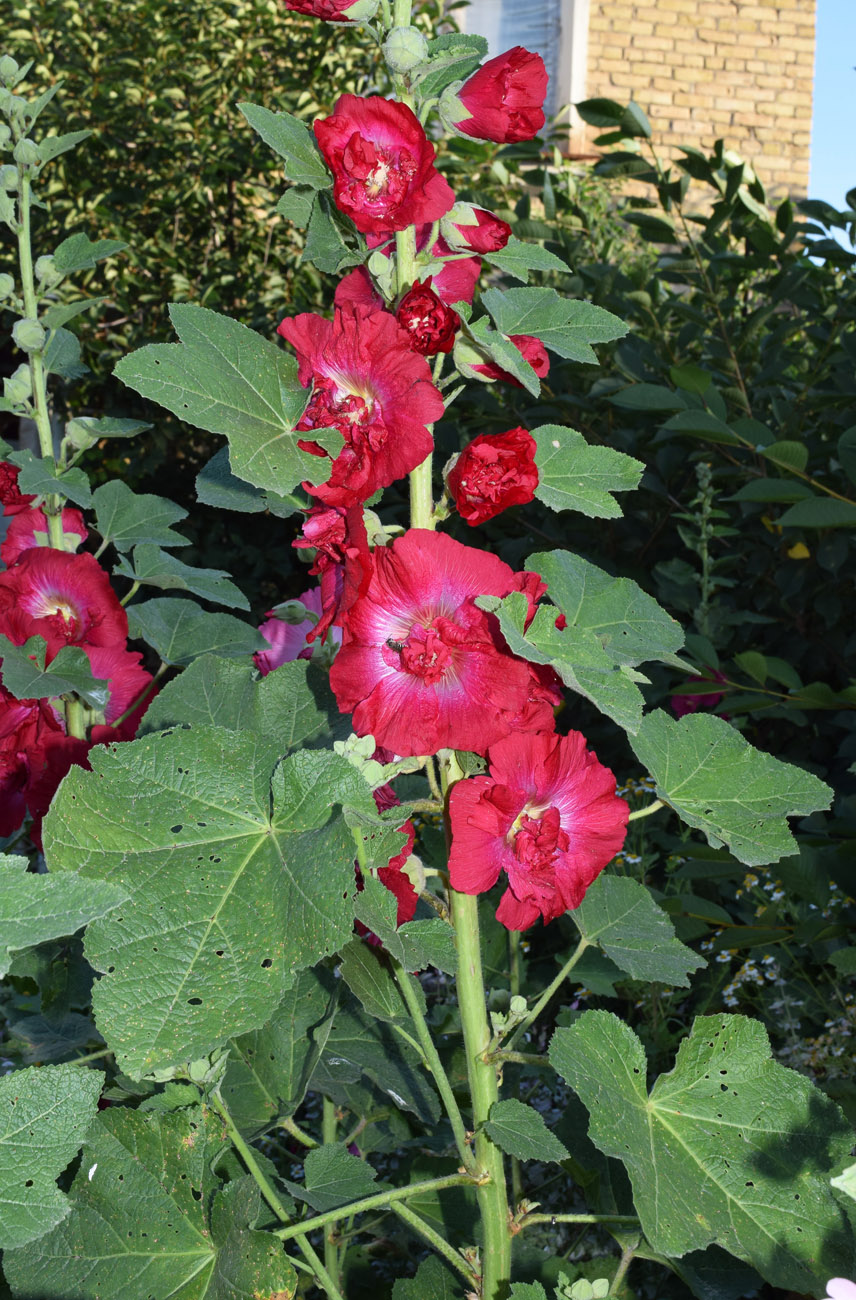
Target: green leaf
80,253
844,961
702,424
565,325
62,355
575,476
191,1242
226,379
157,568
334,1177
269,1069
522,1132
40,478
127,518
793,455
847,452
603,113
325,246
51,146
433,1281
846,1182
416,944
216,485
367,975
69,673
226,898
691,378
648,397
293,141
181,631
296,205
717,782
451,58
619,914
518,258
730,1147
771,489
108,427
60,312
820,512
44,1115
656,228
505,354
753,664
35,907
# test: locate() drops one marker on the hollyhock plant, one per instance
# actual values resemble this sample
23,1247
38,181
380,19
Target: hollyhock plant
421,666
430,324
65,598
335,11
11,498
546,815
495,471
468,227
530,348
382,162
290,641
502,101
452,281
342,560
29,528
368,383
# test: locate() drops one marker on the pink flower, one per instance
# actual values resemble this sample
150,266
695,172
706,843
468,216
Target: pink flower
530,348
290,641
547,815
429,323
503,99
65,598
422,667
703,698
342,559
495,471
368,383
21,534
382,162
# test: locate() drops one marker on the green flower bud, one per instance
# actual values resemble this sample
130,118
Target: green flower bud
46,271
5,134
79,435
8,177
27,153
19,386
28,335
466,355
7,286
404,49
360,10
8,68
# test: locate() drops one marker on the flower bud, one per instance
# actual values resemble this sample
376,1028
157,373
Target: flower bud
470,360
79,435
502,100
5,134
7,286
28,335
404,49
8,69
8,177
27,153
47,272
19,386
465,228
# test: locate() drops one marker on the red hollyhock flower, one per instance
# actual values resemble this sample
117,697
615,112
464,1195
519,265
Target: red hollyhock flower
342,560
334,11
547,815
530,348
368,383
451,281
21,534
503,98
430,324
382,162
65,598
421,667
15,774
486,234
495,471
11,498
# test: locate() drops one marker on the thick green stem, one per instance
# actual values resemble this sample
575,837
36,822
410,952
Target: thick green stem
53,505
434,1239
75,718
314,1262
376,1202
435,1065
401,13
536,1009
305,1139
646,812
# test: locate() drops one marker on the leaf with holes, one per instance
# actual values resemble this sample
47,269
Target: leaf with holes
715,780
44,1115
194,1240
575,476
234,881
620,915
729,1147
226,379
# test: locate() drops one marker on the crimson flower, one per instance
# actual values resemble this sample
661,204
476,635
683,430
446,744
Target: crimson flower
503,99
65,598
342,560
530,348
334,11
382,162
21,533
546,814
495,471
467,227
430,324
422,667
368,383
452,281
11,498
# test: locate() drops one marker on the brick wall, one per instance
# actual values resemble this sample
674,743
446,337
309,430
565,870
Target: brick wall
703,69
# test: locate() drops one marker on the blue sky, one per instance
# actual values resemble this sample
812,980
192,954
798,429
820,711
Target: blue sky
833,137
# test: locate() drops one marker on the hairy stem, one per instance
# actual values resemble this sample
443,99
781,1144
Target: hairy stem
375,1202
434,1239
646,811
294,1130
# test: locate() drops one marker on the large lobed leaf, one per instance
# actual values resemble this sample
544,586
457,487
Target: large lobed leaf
194,1241
729,1148
44,1115
620,915
234,881
719,783
224,378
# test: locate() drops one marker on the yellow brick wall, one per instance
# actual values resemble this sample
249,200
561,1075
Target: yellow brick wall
741,70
